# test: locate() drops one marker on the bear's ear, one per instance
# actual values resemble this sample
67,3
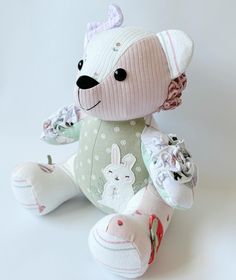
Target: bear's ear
178,48
115,19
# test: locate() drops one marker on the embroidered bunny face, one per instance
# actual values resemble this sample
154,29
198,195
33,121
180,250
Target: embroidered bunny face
119,172
126,72
118,175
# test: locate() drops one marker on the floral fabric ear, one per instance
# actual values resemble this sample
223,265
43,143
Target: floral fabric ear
174,93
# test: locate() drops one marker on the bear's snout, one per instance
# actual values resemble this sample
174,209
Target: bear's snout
86,82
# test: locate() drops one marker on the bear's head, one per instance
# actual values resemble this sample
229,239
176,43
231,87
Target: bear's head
127,73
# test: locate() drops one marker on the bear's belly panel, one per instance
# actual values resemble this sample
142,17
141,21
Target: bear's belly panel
109,167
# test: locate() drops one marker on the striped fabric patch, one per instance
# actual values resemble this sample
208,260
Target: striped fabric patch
46,168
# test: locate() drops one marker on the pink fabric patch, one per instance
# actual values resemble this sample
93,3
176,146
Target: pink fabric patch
174,93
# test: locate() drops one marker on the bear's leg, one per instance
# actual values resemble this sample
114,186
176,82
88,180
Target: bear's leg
127,243
43,187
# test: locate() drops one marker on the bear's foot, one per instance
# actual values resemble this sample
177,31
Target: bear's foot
42,187
126,244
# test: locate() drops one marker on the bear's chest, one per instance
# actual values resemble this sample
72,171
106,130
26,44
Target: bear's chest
103,163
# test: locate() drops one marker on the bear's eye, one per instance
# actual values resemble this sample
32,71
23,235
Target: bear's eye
126,176
80,64
109,171
120,74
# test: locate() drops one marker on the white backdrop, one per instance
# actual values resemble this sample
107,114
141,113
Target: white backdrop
40,45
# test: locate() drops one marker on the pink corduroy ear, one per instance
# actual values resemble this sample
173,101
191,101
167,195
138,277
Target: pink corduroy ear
115,19
174,93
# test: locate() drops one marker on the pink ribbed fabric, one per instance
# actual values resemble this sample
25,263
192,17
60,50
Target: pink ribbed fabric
143,91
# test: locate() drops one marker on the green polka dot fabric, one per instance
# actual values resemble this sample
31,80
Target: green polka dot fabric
96,149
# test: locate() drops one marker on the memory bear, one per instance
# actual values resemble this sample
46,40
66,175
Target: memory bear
125,165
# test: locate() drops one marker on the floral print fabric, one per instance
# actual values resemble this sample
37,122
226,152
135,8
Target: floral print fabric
170,166
57,129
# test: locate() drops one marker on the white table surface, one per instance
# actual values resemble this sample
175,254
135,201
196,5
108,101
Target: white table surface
41,43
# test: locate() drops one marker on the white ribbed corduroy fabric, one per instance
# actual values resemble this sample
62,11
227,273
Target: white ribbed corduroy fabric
105,49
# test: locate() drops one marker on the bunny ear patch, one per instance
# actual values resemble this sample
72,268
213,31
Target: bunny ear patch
115,19
178,48
129,160
115,154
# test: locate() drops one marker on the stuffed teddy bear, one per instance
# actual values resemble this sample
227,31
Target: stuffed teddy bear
125,165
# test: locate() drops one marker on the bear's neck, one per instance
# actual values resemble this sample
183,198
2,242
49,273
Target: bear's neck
131,122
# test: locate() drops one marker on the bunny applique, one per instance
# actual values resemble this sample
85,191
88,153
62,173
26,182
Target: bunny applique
120,178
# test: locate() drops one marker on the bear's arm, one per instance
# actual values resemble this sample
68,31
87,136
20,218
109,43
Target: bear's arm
170,166
63,127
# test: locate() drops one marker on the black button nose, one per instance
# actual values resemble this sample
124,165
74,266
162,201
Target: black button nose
85,82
